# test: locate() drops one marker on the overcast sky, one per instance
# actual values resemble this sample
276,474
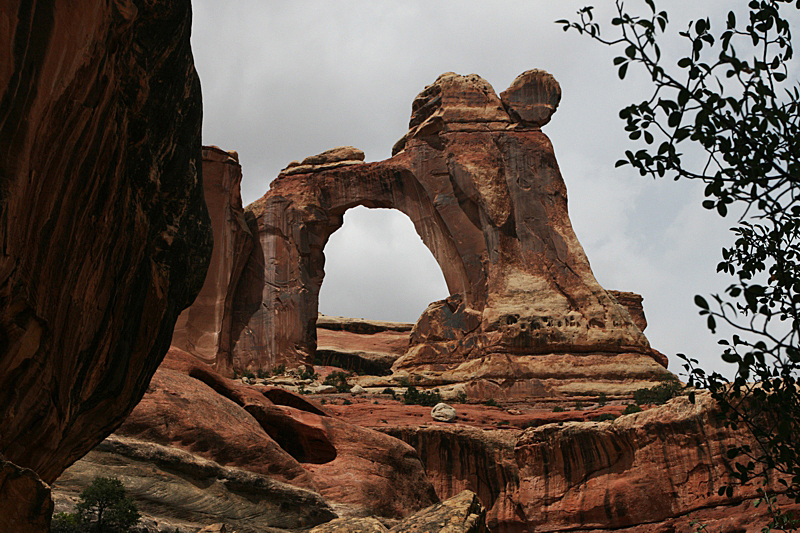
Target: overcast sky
286,79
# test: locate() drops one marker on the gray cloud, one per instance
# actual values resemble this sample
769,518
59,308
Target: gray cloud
283,80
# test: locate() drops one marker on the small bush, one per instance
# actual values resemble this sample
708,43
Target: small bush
279,370
659,394
412,396
404,381
338,380
305,374
389,391
578,405
491,403
558,409
346,402
604,417
602,399
461,397
248,374
632,408
323,401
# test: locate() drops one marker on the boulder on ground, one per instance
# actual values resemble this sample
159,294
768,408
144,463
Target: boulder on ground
443,412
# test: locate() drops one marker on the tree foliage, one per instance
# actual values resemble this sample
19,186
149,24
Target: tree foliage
103,508
727,113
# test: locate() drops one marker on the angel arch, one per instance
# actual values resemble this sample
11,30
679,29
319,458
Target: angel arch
481,184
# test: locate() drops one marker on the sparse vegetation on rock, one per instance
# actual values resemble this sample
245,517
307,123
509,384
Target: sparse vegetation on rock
103,508
338,380
412,396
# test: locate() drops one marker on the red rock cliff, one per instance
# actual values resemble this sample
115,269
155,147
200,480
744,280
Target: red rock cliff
204,329
105,236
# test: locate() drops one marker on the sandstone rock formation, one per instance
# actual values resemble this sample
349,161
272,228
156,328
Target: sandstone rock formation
480,182
25,503
653,471
105,235
175,487
204,329
275,433
363,346
462,513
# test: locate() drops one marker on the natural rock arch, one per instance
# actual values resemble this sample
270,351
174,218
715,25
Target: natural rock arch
278,295
481,183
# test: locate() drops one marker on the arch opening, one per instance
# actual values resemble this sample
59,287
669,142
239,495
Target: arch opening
378,268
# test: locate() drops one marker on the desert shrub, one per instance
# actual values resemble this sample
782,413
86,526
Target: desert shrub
461,397
604,417
338,380
305,374
412,396
279,370
65,523
602,399
558,409
659,394
632,408
248,374
404,381
491,403
346,402
578,405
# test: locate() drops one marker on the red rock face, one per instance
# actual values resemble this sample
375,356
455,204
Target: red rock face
276,433
656,466
484,191
204,329
105,234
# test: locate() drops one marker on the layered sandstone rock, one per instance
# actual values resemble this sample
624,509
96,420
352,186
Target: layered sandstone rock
105,234
460,457
363,346
204,329
274,433
480,182
658,466
654,471
185,491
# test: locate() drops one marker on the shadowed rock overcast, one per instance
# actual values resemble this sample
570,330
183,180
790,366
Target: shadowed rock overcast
284,80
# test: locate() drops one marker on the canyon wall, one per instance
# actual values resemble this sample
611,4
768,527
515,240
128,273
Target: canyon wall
105,235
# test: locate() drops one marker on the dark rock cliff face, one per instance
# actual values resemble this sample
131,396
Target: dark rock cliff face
105,236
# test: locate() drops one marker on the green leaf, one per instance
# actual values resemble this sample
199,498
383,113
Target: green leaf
623,70
684,62
700,302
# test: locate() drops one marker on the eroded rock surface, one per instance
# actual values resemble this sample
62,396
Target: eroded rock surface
364,346
204,329
105,234
185,490
275,433
481,184
657,466
462,513
25,500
